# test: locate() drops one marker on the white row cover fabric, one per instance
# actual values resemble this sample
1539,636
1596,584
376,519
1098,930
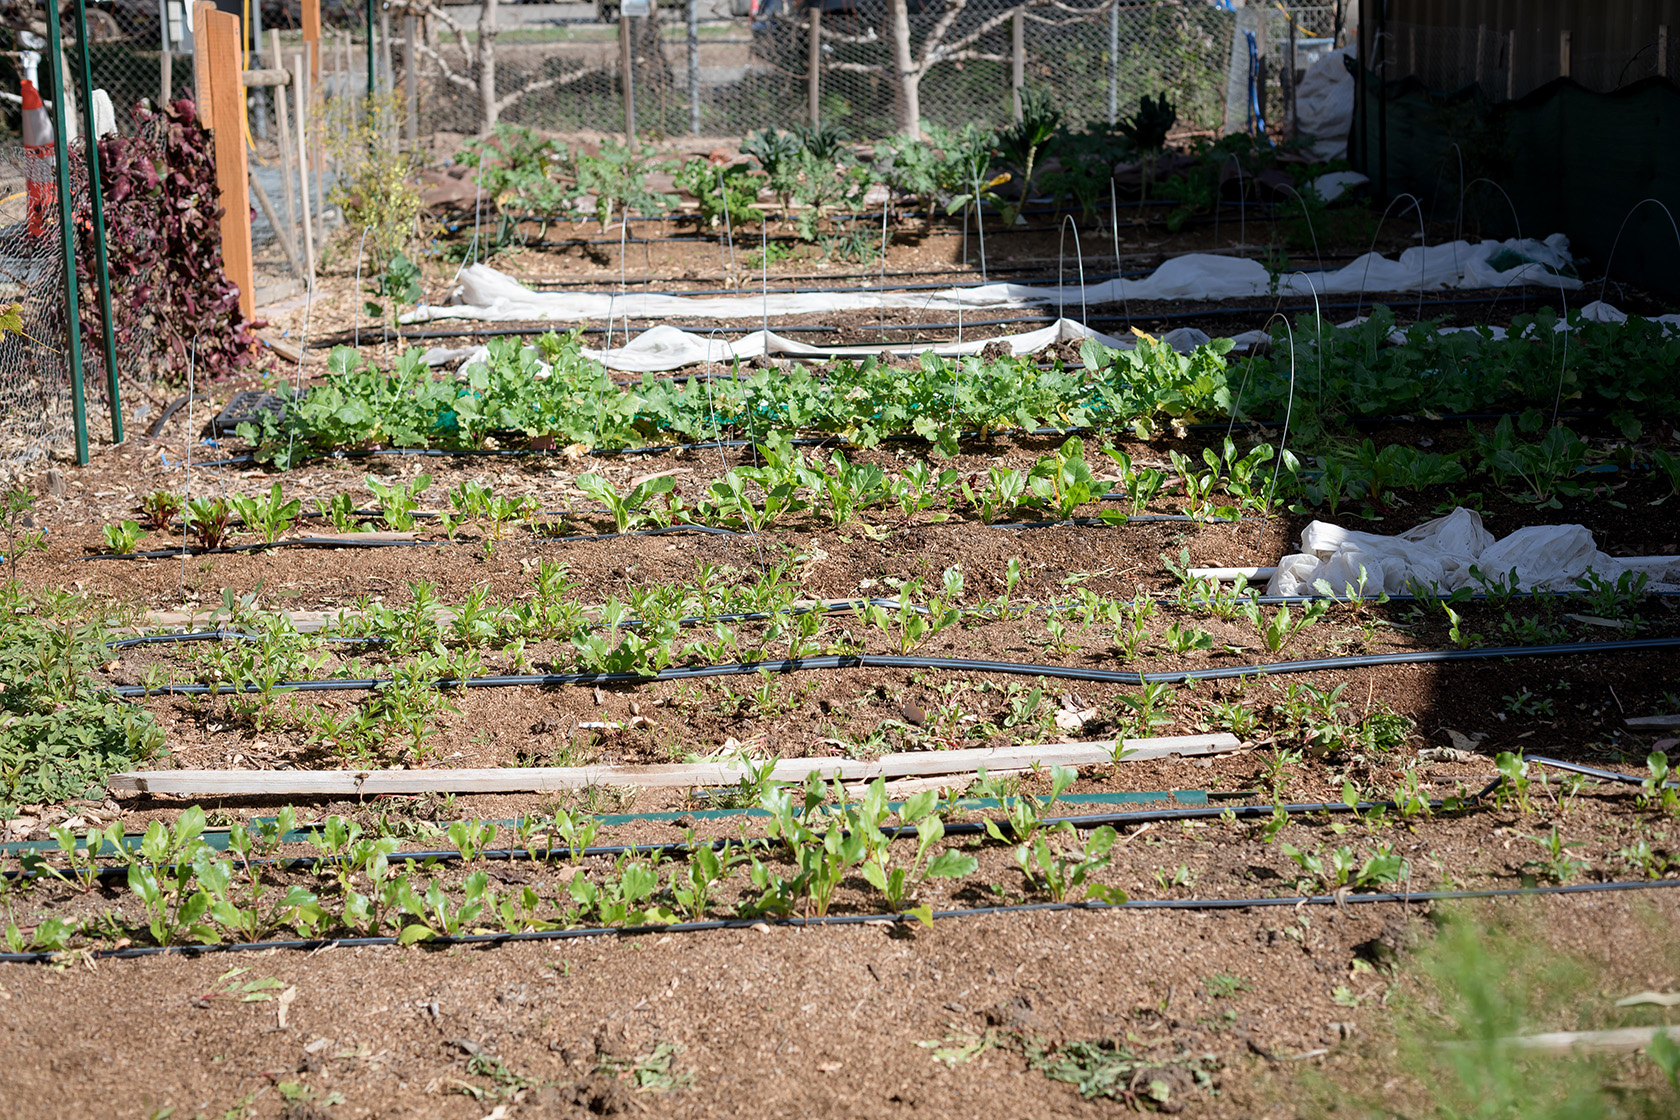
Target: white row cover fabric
490,295
1440,554
665,347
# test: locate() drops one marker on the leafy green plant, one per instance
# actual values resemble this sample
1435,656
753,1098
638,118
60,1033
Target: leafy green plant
721,191
398,500
1064,482
122,537
207,520
269,516
897,882
1059,864
617,176
159,508
1021,142
627,511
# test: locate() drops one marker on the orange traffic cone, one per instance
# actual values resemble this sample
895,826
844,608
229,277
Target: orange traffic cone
38,159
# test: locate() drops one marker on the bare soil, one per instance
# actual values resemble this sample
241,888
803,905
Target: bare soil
834,1020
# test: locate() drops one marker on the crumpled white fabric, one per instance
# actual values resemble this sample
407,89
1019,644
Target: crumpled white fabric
665,347
490,295
1440,554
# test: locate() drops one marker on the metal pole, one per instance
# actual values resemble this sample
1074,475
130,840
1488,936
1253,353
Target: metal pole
627,68
371,68
694,66
1382,99
300,101
1018,58
1114,64
102,275
387,77
166,57
259,113
72,314
813,78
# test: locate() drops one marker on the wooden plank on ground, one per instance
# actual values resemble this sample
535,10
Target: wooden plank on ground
351,783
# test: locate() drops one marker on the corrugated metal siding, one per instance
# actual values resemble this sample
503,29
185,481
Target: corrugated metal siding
1512,46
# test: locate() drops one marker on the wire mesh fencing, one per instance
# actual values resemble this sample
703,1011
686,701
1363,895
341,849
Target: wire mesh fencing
37,416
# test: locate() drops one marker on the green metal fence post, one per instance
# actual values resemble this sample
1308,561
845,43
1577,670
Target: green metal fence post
370,4
66,229
90,147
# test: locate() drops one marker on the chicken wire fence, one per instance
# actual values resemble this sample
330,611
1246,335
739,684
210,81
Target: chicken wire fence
696,69
37,417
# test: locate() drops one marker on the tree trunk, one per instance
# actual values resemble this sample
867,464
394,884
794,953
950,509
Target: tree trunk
909,80
487,108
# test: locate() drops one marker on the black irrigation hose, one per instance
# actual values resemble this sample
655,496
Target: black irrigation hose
1338,900
358,540
682,848
849,606
954,664
1593,771
171,409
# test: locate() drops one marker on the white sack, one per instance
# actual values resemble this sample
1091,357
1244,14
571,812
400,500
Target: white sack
1439,554
1324,104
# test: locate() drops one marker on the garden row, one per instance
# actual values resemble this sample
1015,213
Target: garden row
814,173
822,847
1317,378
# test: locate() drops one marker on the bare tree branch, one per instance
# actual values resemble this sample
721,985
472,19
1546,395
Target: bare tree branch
933,52
457,79
544,83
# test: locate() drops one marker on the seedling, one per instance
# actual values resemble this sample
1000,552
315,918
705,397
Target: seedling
269,517
122,537
207,519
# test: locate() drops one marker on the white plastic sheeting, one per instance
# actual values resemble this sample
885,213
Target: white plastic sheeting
489,295
1440,554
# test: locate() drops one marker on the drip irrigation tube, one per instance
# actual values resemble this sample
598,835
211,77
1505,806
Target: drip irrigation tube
953,664
1593,771
216,837
170,410
357,540
1337,900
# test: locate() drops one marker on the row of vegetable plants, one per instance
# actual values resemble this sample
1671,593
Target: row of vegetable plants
1319,377
815,173
821,843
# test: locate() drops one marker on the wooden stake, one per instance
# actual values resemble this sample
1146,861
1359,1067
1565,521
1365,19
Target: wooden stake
411,79
351,783
282,121
627,74
1563,54
217,46
312,37
201,62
